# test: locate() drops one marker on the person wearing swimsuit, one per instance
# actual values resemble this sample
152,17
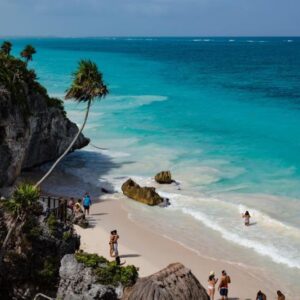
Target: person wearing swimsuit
113,244
223,285
247,217
211,285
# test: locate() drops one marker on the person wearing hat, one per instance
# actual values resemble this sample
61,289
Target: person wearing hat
211,288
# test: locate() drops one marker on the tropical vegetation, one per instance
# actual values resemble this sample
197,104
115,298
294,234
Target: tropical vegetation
108,272
27,53
6,47
87,86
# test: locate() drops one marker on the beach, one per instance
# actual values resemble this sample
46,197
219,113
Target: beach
151,252
140,245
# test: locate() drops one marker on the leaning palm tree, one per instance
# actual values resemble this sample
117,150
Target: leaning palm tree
87,86
6,47
27,53
23,202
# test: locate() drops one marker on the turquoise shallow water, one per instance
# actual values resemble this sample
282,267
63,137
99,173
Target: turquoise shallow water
223,114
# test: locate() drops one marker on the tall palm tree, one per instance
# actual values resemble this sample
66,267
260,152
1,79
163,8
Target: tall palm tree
87,86
28,52
22,203
6,47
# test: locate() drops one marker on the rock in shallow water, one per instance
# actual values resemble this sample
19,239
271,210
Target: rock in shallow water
146,195
164,177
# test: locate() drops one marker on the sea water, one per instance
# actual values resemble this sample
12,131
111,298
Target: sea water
223,114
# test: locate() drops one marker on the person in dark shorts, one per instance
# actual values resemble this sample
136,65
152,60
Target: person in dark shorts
87,202
223,285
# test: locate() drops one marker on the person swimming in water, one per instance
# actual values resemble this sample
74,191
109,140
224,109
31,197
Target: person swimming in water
247,217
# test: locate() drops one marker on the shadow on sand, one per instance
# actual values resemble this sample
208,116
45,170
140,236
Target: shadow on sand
129,255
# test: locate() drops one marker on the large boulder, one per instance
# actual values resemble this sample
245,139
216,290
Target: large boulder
175,282
77,282
164,177
146,195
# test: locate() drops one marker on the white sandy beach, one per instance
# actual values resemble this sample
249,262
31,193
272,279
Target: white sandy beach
143,247
152,252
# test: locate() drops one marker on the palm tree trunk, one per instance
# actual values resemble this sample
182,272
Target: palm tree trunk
68,149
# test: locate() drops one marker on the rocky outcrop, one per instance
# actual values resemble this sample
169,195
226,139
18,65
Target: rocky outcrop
163,177
146,195
32,258
77,282
175,282
32,132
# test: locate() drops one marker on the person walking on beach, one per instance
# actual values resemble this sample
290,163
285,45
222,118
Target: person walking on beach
87,202
280,296
211,285
247,217
223,285
113,244
261,296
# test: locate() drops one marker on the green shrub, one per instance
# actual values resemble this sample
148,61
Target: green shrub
108,273
55,102
67,235
90,260
52,224
49,271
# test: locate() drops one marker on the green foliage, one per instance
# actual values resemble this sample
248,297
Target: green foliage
28,52
87,83
16,81
6,47
57,103
32,228
67,235
52,224
90,260
108,273
24,200
114,274
49,271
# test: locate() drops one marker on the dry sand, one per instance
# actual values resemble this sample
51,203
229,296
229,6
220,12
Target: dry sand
152,252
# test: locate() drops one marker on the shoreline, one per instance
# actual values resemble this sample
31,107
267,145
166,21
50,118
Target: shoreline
144,247
151,252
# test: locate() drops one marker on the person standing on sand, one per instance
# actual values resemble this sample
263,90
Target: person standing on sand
113,243
87,202
223,285
261,296
280,296
247,217
211,285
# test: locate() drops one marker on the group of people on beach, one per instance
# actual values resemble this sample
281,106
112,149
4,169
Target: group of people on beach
223,286
225,280
76,206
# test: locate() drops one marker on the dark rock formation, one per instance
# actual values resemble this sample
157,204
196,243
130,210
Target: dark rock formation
146,195
32,258
164,177
33,126
175,282
78,282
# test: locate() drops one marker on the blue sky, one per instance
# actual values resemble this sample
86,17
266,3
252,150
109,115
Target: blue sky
149,17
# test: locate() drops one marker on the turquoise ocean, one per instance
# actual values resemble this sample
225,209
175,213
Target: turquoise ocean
223,114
